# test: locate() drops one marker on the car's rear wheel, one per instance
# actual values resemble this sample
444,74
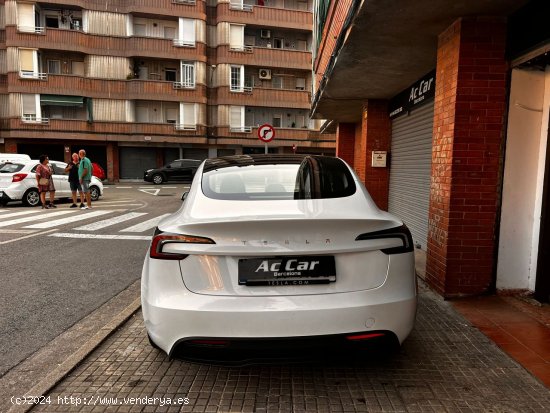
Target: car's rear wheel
158,179
31,198
94,193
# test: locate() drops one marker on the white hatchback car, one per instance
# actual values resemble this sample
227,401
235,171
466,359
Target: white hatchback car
277,249
18,182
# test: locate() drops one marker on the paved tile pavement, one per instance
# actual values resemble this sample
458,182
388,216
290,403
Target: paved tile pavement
446,365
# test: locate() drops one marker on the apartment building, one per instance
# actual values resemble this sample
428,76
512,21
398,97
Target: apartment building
139,83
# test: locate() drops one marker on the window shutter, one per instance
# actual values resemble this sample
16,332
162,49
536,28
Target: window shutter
189,114
236,39
25,12
236,117
29,104
26,59
187,30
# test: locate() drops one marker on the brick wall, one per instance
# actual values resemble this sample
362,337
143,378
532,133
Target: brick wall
373,134
345,137
336,17
470,103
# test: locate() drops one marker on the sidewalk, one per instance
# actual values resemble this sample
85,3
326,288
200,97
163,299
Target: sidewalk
519,326
446,365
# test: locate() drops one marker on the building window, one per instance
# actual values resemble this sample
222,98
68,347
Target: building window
277,121
236,121
54,66
170,75
300,83
277,82
188,74
52,21
237,78
188,117
278,43
236,37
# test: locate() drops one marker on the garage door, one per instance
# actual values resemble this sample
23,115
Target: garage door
200,154
411,160
134,161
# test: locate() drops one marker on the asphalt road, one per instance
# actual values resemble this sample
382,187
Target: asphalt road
49,283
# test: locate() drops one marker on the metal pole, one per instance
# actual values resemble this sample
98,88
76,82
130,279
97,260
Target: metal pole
266,148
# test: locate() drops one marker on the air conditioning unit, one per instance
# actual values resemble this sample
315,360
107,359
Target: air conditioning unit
265,34
265,74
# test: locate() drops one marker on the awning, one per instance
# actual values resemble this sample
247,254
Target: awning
61,100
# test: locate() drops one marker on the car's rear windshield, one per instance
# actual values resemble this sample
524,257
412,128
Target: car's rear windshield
299,178
10,168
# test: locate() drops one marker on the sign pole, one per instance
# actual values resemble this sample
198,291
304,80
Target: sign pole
266,148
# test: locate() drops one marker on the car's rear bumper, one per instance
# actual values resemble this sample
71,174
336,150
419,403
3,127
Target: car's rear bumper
172,313
9,195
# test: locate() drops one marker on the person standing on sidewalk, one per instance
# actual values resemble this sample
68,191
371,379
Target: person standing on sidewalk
85,177
44,181
74,181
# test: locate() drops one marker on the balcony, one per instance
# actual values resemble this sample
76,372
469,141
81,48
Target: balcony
77,41
192,8
248,135
69,129
101,88
23,74
269,57
265,16
247,96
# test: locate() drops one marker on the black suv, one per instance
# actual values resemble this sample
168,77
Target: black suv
178,170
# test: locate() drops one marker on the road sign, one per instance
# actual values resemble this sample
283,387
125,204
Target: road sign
266,133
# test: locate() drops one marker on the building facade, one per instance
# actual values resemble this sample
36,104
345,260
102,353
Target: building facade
456,98
141,83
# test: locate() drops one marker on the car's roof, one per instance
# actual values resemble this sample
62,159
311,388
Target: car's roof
260,159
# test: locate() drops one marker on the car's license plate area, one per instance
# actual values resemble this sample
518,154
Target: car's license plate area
281,271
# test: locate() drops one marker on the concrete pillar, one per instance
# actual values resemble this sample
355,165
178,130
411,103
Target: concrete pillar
373,134
470,102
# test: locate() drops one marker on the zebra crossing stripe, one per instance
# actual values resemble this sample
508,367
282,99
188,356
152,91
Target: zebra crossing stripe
18,214
74,218
33,218
100,236
94,226
145,225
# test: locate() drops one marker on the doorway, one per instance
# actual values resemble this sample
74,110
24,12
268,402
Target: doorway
542,285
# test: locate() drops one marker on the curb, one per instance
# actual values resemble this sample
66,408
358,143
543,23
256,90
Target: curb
71,362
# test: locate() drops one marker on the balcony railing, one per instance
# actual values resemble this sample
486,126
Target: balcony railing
184,85
31,29
240,129
183,126
184,43
240,6
27,118
189,2
32,75
245,49
241,89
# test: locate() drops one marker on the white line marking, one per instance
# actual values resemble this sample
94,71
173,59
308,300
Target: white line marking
99,236
17,231
17,214
124,187
145,225
150,191
169,187
109,204
74,218
33,218
94,226
27,236
115,202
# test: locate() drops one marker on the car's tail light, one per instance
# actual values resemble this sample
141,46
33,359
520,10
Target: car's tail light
364,336
160,239
401,232
18,177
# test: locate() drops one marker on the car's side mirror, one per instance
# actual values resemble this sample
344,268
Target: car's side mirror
184,196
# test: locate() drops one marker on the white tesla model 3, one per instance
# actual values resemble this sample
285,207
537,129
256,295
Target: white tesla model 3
277,249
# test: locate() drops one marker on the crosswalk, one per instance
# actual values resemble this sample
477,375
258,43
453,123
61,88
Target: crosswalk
117,221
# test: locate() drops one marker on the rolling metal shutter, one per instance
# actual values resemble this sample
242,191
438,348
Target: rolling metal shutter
411,161
135,161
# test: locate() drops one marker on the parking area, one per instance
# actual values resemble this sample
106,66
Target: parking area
446,365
